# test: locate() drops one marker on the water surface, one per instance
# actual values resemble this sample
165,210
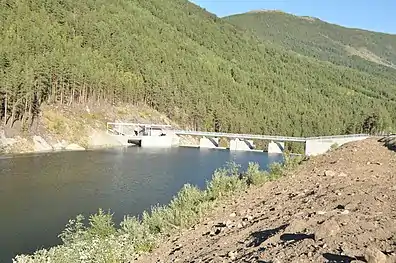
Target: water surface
40,193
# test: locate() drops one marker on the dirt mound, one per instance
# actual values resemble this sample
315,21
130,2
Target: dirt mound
338,207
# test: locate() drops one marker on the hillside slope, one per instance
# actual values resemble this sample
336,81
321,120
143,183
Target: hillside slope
339,207
181,61
367,51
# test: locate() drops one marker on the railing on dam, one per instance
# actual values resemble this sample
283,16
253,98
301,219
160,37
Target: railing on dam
265,137
136,129
337,136
241,136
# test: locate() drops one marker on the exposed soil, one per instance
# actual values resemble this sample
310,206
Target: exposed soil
338,207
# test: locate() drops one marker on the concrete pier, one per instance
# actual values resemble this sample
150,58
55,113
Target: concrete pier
156,141
241,145
321,145
276,147
209,142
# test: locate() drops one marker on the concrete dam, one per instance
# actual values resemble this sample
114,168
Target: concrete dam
154,135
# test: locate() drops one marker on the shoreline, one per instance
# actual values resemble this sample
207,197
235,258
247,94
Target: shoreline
32,153
98,147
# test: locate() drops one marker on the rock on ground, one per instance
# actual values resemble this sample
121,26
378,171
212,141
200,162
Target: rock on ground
41,145
74,147
60,145
304,217
374,255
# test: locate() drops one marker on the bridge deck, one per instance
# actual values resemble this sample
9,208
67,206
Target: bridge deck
265,137
114,128
241,136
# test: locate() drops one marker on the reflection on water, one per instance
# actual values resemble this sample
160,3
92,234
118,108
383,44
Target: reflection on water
40,193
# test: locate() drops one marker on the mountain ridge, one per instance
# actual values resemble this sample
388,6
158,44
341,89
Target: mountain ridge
309,17
365,51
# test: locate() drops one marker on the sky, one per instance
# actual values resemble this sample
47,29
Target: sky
374,15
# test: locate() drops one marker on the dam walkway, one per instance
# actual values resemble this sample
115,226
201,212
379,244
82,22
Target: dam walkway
155,135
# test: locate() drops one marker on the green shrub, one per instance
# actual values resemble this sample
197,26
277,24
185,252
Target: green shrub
276,171
101,225
74,230
138,234
291,162
156,221
225,181
188,206
254,176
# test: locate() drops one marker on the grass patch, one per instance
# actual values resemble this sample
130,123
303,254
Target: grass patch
334,146
72,128
122,111
93,117
55,123
101,241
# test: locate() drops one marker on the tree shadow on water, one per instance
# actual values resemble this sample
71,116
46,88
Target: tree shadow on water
260,236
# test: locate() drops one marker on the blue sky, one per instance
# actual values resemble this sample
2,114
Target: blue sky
376,15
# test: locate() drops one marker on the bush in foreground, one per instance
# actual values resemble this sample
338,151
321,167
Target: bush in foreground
102,242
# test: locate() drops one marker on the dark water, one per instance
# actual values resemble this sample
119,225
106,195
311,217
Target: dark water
40,193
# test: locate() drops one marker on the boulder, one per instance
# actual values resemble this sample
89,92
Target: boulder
41,145
329,173
328,228
60,145
74,147
374,255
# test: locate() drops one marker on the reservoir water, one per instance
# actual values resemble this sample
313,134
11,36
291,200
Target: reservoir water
40,193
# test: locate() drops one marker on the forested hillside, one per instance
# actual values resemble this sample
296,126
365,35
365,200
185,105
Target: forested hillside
367,51
180,60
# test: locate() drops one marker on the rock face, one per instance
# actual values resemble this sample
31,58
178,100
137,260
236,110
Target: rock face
60,145
102,139
74,147
41,145
4,141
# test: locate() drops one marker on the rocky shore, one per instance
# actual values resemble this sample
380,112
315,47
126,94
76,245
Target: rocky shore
62,128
